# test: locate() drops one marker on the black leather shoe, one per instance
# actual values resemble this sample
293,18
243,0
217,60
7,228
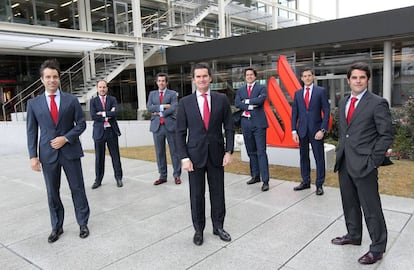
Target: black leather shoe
54,235
225,236
119,183
319,191
253,180
265,186
84,231
301,186
96,185
370,257
198,238
344,240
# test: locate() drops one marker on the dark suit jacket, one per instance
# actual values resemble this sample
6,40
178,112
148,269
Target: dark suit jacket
257,97
367,137
310,120
153,105
111,110
194,141
71,123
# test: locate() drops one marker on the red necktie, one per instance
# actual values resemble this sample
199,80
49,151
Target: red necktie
351,109
103,106
161,98
206,111
53,109
249,92
307,98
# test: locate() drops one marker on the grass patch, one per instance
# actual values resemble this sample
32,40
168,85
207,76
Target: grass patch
396,179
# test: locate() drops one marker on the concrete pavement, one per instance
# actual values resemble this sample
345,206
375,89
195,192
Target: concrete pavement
142,226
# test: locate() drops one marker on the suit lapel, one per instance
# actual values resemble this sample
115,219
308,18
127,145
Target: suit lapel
62,106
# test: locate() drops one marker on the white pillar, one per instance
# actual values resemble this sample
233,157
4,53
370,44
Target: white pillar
275,11
221,18
387,71
139,57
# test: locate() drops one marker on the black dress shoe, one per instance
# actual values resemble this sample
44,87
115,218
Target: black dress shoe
84,231
119,183
265,186
301,186
255,179
344,240
198,238
370,257
319,191
225,236
54,235
96,185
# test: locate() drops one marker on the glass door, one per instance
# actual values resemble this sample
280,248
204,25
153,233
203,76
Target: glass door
121,18
336,85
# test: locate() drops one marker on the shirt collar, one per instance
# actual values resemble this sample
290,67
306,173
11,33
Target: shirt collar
57,93
200,94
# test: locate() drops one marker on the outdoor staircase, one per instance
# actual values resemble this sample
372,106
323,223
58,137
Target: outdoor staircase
107,71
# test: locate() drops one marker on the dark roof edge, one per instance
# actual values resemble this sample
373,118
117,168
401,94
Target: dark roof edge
374,26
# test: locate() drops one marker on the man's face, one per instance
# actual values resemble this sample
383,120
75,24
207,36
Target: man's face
358,81
50,80
250,77
161,83
201,79
102,88
307,77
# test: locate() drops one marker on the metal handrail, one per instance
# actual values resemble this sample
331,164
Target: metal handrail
29,92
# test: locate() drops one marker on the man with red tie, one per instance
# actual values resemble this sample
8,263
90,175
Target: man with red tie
103,110
162,104
61,121
250,98
310,117
365,134
201,118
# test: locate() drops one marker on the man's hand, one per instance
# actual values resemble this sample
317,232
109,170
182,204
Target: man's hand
319,135
58,142
295,137
166,106
35,164
227,159
187,165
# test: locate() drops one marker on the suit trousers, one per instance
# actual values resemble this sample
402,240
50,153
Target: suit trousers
319,155
255,142
363,192
159,141
215,179
73,170
111,140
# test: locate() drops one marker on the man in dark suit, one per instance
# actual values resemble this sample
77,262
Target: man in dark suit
201,118
310,117
103,110
162,104
250,98
365,134
61,121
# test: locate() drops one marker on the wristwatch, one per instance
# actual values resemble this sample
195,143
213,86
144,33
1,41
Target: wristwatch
323,130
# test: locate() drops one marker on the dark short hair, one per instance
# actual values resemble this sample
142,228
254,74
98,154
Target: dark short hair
50,63
201,65
307,69
161,74
359,66
252,69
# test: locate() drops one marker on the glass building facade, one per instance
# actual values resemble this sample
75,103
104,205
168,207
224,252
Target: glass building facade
19,68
